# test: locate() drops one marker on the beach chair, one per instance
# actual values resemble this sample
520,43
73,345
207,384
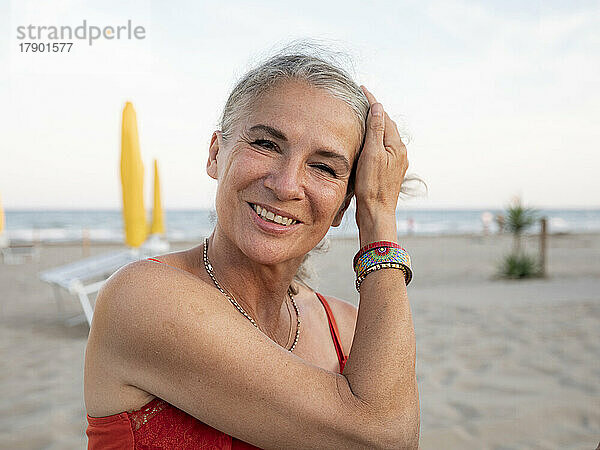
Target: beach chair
86,276
13,253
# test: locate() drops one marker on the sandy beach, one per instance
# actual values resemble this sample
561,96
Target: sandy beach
500,364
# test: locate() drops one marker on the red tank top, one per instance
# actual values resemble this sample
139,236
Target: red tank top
159,424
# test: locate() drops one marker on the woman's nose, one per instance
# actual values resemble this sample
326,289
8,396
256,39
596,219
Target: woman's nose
286,181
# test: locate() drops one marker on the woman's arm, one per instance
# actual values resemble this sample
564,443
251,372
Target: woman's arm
381,365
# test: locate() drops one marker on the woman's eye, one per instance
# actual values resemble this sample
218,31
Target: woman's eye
326,168
265,143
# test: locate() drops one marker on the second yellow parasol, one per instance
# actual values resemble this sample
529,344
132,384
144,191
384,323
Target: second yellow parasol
158,219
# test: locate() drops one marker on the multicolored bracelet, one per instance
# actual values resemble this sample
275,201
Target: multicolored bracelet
371,246
381,255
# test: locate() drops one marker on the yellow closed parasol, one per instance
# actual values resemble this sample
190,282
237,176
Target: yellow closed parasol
158,219
132,180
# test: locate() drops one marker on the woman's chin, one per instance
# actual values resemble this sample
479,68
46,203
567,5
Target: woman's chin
266,252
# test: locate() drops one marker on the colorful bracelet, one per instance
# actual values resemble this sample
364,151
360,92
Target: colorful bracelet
373,245
382,255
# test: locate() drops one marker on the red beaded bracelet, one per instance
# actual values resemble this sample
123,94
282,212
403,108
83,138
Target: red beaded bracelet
371,246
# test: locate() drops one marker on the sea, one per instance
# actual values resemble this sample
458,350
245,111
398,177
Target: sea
192,225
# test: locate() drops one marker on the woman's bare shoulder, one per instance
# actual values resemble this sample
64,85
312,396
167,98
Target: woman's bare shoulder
140,286
145,276
132,308
149,296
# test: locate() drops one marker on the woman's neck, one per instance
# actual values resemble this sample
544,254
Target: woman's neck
261,290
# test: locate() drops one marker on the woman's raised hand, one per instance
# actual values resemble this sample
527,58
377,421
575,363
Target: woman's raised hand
380,171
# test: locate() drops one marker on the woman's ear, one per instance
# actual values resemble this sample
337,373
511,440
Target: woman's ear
340,214
211,165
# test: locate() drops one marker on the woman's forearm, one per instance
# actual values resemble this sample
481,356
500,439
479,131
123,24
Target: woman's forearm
381,365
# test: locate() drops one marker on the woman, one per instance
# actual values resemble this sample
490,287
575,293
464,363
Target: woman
222,346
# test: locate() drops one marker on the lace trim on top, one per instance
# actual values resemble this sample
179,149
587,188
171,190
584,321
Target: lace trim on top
141,416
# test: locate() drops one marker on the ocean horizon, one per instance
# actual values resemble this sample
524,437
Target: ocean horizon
106,225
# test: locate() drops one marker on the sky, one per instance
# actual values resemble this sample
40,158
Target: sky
499,98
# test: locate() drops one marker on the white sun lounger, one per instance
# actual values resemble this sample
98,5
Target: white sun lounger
17,253
86,276
20,253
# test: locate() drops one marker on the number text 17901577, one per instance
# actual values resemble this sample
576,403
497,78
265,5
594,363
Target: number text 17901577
43,47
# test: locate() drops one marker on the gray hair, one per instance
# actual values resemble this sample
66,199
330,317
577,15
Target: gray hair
320,68
296,62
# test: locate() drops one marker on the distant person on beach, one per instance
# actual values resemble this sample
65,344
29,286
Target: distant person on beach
410,225
225,345
486,221
500,223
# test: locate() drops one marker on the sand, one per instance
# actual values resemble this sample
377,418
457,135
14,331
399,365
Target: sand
500,364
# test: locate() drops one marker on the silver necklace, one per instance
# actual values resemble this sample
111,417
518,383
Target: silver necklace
209,270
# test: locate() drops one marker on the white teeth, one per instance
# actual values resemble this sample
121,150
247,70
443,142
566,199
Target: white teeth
268,215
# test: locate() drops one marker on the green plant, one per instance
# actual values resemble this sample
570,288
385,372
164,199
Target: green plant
518,219
519,266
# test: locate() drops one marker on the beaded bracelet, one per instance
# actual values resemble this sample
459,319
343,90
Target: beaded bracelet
373,245
382,256
407,275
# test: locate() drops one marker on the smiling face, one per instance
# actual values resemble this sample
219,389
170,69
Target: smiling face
292,154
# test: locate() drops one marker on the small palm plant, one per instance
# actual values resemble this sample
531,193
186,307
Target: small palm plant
518,220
